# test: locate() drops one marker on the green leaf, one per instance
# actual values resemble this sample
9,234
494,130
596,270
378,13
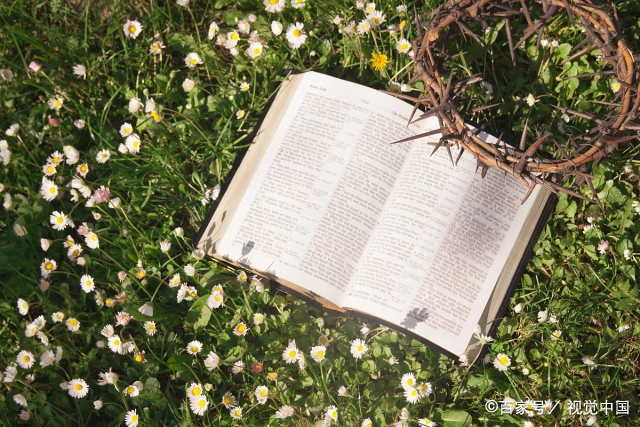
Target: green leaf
456,419
182,43
179,362
563,51
199,313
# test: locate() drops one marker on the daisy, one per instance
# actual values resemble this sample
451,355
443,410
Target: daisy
237,367
426,422
272,376
134,105
228,400
108,378
115,344
231,39
107,331
49,169
531,100
25,359
262,393
187,293
139,357
318,353
72,324
556,335
150,328
323,340
79,123
254,50
615,86
408,381
87,283
80,71
194,347
403,46
58,220
103,156
244,27
156,48
295,36
198,254
78,388
132,28
290,354
7,74
412,395
358,348
174,282
371,7
366,423
91,240
44,285
23,306
183,3
188,85
244,86
276,28
192,59
123,318
126,129
20,400
297,4
47,358
501,362
55,103
131,420
49,189
19,230
189,270
258,318
114,203
376,18
240,329
146,309
212,361
213,30
132,390
284,412
133,143
199,405
272,6
236,412
364,26
331,415
97,404
425,389
57,317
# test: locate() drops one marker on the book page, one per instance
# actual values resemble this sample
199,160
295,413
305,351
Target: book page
440,246
320,187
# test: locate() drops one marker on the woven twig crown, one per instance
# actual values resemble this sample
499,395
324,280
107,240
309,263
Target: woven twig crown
530,164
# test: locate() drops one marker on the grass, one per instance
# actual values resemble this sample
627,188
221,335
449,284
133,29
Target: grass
583,274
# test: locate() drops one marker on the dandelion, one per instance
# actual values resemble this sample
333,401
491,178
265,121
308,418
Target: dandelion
363,27
379,61
295,36
188,85
132,28
78,388
228,400
80,71
131,420
272,6
194,347
318,353
531,100
72,324
501,362
199,405
285,411
290,354
358,348
192,59
25,359
212,361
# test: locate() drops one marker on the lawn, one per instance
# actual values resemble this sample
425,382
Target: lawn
119,121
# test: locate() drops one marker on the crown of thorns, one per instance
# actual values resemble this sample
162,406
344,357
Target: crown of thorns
531,165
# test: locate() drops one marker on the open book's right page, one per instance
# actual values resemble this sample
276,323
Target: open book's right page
442,240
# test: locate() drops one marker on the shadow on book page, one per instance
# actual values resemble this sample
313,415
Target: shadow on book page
415,316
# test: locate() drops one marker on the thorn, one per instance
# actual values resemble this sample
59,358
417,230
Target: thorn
432,132
507,27
520,165
450,155
523,138
459,155
466,29
526,13
617,139
579,114
486,107
569,12
526,196
628,86
445,106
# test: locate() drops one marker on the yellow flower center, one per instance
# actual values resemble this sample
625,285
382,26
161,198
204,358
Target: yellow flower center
334,414
503,360
151,326
226,400
235,36
376,20
404,46
129,390
297,33
83,168
109,303
73,322
292,354
48,266
26,359
56,103
403,24
155,116
116,343
55,159
240,328
360,348
139,358
201,403
414,392
52,190
51,169
156,47
76,253
196,391
320,353
218,298
135,144
273,1
409,381
193,61
263,392
194,349
134,418
78,387
256,51
132,28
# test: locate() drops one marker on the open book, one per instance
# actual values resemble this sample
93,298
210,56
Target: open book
324,204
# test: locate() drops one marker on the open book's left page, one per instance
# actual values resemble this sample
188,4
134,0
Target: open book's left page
320,185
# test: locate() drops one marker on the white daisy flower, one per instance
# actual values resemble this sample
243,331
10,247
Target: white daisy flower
323,340
240,114
174,282
254,50
244,27
132,419
126,129
258,318
115,344
272,6
501,362
146,309
19,230
297,4
48,190
80,71
291,354
20,400
134,105
132,390
358,348
213,30
370,8
531,100
240,329
23,306
103,156
276,28
403,45
7,74
132,28
615,86
364,26
411,394
72,324
56,102
295,36
188,85
150,328
199,405
261,393
49,169
192,59
133,143
156,47
331,415
47,358
189,270
87,284
231,39
194,391
236,412
78,388
25,359
194,347
183,3
284,412
318,353
57,317
97,404
376,18
107,331
408,381
91,240
212,361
